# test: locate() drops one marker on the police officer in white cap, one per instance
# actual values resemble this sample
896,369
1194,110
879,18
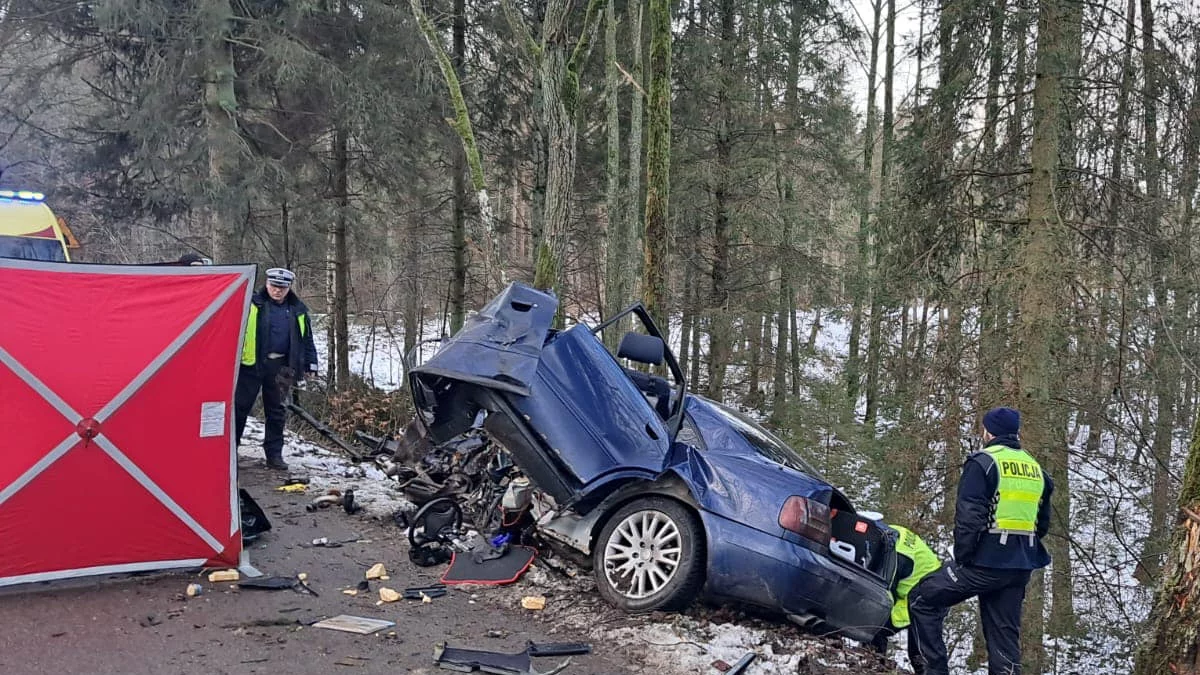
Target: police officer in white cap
278,350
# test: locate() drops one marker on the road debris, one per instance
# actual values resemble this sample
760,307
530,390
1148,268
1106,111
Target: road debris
193,590
354,624
150,620
377,571
292,488
223,575
468,660
423,592
388,595
533,602
742,664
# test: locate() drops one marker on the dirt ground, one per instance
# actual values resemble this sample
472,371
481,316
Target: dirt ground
145,624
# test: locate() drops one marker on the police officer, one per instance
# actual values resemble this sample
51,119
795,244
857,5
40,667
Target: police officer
1002,513
277,351
914,561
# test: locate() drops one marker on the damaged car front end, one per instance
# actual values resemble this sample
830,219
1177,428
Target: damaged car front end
669,495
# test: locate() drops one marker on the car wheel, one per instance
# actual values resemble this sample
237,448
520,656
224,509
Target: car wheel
650,555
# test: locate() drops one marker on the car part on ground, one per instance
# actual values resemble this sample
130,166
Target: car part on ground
520,663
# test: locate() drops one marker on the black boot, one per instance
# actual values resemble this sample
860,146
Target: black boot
275,461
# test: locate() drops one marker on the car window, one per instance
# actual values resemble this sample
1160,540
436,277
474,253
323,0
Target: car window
764,442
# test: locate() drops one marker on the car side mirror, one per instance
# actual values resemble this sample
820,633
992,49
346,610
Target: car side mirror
646,349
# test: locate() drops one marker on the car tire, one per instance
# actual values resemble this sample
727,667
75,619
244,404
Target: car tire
650,556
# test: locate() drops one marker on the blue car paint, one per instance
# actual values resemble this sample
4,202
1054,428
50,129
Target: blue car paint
500,346
747,565
595,420
575,396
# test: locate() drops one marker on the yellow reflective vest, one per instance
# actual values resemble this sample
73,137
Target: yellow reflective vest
1019,491
924,563
250,343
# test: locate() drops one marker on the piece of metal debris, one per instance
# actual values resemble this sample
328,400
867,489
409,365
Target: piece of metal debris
742,664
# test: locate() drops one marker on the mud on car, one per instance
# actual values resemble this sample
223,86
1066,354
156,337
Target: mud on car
670,495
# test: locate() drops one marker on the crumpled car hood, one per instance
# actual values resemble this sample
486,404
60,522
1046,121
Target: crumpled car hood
499,347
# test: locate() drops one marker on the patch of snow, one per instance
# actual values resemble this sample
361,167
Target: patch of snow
326,469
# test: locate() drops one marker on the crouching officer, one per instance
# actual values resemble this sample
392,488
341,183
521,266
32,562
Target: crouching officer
277,351
914,561
1002,513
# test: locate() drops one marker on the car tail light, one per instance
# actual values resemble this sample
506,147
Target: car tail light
807,518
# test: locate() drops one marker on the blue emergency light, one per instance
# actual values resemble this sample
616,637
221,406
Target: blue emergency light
22,195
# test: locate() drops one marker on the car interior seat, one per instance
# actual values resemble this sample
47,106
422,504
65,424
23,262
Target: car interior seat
650,350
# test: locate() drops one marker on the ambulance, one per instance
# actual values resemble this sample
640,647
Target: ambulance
30,230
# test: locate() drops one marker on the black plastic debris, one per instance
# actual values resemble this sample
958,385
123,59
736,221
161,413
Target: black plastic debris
520,663
348,503
489,566
277,584
415,593
254,519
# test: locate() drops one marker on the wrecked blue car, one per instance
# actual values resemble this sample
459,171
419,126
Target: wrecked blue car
671,495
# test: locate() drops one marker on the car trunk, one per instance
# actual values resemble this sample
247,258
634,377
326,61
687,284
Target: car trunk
859,541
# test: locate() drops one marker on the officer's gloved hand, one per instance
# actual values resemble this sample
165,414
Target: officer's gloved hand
286,378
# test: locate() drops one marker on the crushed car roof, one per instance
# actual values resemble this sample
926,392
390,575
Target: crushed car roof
498,347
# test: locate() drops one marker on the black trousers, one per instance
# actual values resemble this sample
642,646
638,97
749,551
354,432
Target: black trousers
1000,593
250,381
914,654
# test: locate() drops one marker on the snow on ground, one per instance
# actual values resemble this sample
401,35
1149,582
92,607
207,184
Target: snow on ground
329,469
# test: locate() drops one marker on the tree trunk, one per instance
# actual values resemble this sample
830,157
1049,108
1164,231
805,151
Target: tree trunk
220,125
861,286
779,377
1165,368
633,193
331,349
687,321
559,76
658,165
996,54
411,287
757,325
458,226
341,259
285,226
1041,287
720,313
618,244
1172,643
795,340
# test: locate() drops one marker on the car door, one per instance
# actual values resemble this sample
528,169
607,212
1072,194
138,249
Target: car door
589,414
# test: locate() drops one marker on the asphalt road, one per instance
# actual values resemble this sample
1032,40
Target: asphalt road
145,624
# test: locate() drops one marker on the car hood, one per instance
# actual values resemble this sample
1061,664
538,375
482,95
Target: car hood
498,347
